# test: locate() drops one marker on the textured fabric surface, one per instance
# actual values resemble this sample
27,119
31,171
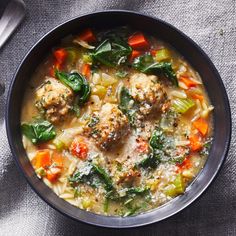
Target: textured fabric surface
212,24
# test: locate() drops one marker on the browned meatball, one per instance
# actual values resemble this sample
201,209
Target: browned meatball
111,125
148,92
54,99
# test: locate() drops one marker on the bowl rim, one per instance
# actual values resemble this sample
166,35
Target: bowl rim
121,219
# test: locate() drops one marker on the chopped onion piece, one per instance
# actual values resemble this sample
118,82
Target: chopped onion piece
83,44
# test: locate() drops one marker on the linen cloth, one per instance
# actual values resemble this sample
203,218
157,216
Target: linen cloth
212,24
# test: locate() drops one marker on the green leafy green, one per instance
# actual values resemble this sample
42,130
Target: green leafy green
121,73
157,139
127,105
92,175
151,161
146,64
206,147
112,52
163,150
77,83
93,121
38,131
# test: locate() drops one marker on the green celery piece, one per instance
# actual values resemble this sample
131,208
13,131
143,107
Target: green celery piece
178,187
162,54
182,105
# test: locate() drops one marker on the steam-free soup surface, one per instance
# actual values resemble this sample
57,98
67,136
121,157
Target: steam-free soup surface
116,122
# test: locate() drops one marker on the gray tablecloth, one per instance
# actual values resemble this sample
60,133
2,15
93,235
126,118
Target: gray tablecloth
212,24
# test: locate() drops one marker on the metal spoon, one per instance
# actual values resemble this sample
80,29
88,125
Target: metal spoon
11,18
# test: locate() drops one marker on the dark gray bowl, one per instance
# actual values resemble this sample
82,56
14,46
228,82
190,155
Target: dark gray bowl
192,52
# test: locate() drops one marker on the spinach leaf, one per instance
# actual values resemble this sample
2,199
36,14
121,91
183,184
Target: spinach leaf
163,150
146,64
93,175
151,161
72,80
103,176
121,73
127,105
93,121
137,190
39,131
112,52
157,139
141,62
77,83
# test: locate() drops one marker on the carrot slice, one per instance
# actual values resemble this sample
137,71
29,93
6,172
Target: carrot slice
42,159
186,164
138,41
134,54
87,36
53,174
142,146
79,148
60,55
195,142
197,96
57,159
86,70
188,82
201,125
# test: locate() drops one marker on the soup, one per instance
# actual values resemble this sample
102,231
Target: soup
116,122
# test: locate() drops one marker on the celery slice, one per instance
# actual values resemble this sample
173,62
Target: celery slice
162,54
182,105
177,188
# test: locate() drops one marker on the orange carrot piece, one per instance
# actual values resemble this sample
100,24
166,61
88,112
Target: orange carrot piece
86,70
60,55
153,52
87,36
53,174
57,159
186,164
42,159
197,96
134,54
79,148
195,142
201,125
142,146
188,82
138,41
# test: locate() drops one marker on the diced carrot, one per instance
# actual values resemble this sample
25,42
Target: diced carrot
57,159
188,82
186,164
201,125
86,70
134,54
142,146
87,36
53,174
52,71
197,96
138,41
42,159
153,52
79,148
60,55
195,142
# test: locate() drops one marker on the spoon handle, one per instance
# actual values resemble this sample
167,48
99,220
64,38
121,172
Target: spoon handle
11,18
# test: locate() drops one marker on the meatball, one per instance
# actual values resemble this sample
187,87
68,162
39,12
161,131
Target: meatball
111,124
54,99
148,92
